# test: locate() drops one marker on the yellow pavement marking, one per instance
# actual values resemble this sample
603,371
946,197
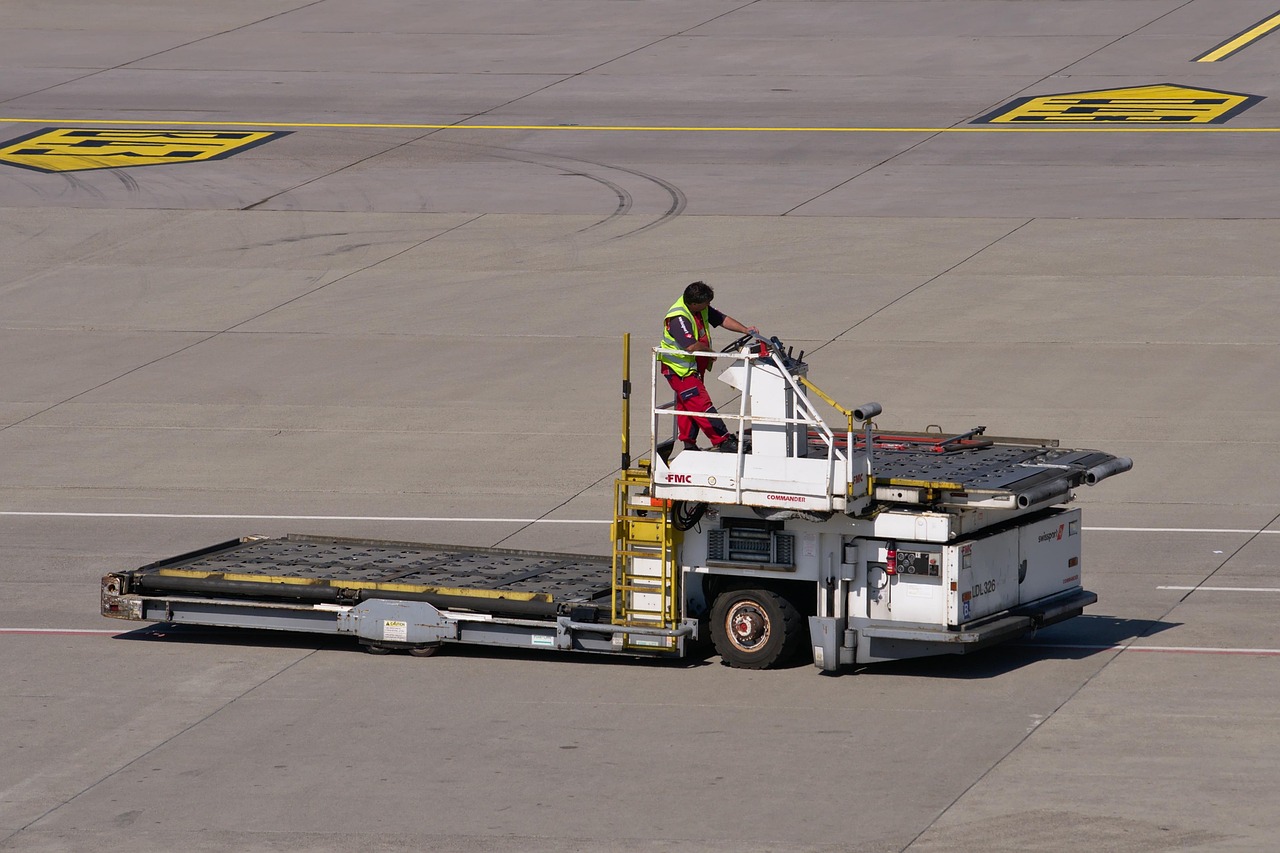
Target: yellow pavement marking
1144,128
1159,103
72,149
1240,41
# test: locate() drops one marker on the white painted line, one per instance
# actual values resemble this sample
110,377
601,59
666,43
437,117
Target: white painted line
1223,588
176,515
483,520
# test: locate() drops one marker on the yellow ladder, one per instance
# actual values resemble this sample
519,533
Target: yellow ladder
645,573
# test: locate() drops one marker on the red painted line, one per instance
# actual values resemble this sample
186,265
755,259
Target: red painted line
1176,650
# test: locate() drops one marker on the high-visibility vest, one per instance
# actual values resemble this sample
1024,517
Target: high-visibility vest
682,363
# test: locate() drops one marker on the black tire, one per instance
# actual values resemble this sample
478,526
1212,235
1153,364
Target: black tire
755,628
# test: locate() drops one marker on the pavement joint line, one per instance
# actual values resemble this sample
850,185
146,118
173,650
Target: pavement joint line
1133,128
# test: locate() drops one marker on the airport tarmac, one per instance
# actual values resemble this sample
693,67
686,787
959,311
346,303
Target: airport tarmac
363,269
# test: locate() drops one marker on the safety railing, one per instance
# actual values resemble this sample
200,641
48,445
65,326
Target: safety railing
804,414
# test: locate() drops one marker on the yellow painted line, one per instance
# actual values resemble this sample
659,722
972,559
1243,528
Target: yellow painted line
1240,41
1145,128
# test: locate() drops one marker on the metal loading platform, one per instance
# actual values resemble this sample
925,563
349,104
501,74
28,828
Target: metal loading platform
298,568
969,469
788,458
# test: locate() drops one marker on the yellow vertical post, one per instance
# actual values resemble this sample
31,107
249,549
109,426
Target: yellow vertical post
626,401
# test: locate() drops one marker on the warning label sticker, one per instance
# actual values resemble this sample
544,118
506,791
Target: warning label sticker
71,149
1162,103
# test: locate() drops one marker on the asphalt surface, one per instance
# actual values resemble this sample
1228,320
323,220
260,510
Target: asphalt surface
401,318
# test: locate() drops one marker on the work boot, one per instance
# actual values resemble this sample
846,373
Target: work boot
691,445
729,445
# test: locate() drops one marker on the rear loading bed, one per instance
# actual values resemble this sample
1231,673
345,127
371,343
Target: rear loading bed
971,469
299,569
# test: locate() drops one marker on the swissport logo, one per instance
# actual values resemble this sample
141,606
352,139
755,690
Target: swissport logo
1052,534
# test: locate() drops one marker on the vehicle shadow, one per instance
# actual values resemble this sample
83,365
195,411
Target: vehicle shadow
1080,638
1077,639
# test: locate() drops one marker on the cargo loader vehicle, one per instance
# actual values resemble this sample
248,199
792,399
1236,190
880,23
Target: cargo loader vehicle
842,541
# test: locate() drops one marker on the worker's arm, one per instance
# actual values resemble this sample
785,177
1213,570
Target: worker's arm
683,334
726,322
734,326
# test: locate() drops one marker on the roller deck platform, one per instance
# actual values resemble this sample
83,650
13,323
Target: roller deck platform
346,571
971,463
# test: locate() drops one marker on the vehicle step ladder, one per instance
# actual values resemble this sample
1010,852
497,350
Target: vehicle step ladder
645,570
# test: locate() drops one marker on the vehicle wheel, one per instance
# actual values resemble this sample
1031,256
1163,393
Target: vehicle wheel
425,651
377,650
755,628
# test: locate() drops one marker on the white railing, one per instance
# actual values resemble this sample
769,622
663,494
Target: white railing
806,415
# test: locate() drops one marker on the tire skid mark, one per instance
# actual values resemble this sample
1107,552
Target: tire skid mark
678,200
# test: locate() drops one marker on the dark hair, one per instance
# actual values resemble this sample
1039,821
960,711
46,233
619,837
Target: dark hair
698,293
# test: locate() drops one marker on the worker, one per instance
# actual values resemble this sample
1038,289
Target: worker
687,327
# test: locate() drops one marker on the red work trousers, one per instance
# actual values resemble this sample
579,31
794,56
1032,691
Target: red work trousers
692,396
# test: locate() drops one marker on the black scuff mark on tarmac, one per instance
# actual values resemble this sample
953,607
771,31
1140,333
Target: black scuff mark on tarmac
677,201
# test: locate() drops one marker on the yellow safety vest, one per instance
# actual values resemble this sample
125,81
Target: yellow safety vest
683,363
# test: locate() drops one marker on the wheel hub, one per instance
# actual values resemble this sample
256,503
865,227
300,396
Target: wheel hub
748,626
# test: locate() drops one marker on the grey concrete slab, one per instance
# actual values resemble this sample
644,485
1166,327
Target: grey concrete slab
60,366
420,468
1220,21
461,304
1016,151
412,52
721,248
1210,192
141,297
50,236
319,241
187,185
426,328
1169,57
765,98
522,17
131,713
19,82
71,16
495,749
919,56
67,49
986,18
1180,249
1156,309
232,94
1119,748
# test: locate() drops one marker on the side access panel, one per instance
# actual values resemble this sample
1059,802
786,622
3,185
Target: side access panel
1049,552
982,575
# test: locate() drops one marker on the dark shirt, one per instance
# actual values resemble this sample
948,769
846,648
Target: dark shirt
685,336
